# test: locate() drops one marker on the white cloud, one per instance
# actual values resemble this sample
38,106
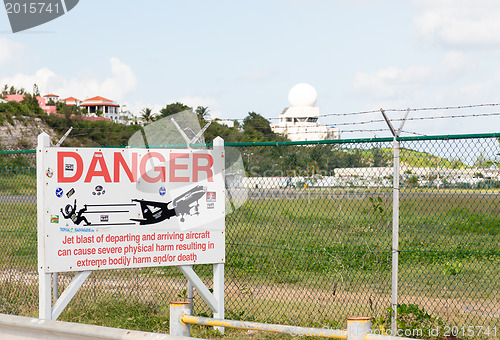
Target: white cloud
406,84
43,78
121,83
10,51
457,79
459,23
390,82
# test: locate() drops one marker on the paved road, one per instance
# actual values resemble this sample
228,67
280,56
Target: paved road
17,198
258,194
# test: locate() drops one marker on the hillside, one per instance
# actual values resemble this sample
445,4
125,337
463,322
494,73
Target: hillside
411,158
22,134
21,123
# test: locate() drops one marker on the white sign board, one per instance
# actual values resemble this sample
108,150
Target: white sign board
125,208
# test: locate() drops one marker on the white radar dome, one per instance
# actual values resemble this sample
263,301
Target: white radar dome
302,95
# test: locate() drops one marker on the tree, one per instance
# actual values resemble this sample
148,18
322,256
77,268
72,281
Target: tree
257,128
147,115
202,112
36,91
31,103
379,159
67,110
174,108
255,121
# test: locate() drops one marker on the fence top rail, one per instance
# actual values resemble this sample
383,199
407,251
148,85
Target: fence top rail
369,140
313,142
9,152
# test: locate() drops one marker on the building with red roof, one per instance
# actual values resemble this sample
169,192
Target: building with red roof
109,108
54,97
71,101
95,104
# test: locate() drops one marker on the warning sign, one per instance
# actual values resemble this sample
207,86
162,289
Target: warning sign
123,208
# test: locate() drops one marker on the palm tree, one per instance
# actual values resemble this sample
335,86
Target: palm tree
202,113
147,115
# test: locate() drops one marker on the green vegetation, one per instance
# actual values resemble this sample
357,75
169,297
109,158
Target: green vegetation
409,158
285,252
26,109
413,322
90,133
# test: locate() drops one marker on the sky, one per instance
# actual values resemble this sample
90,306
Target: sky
241,56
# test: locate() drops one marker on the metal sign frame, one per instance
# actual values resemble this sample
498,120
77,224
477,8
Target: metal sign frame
48,281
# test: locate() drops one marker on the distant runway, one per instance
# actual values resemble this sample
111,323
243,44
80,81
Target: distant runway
18,199
259,194
291,194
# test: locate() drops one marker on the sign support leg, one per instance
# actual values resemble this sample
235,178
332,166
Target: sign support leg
219,293
55,286
200,287
190,295
45,296
69,293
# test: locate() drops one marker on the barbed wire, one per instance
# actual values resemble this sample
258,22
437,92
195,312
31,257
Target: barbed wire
364,130
327,126
414,133
419,118
355,123
443,107
453,116
433,108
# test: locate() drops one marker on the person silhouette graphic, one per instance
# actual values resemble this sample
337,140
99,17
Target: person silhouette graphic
71,213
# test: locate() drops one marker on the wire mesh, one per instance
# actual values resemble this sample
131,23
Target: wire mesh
312,244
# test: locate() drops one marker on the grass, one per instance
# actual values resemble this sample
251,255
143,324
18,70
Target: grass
17,181
308,262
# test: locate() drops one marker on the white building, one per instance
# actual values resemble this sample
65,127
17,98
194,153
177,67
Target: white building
54,97
226,122
123,117
299,122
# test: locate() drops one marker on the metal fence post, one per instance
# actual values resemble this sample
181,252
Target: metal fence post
177,327
358,327
45,279
395,218
395,236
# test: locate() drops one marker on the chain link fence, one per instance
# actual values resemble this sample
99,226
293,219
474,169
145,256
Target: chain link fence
312,245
